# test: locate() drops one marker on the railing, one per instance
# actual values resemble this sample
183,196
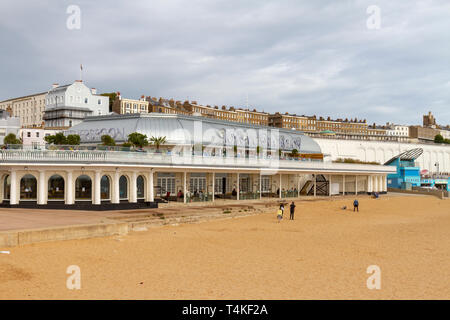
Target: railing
37,155
176,160
199,198
69,147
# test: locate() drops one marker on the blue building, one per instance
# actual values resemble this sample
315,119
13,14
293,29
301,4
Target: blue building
408,174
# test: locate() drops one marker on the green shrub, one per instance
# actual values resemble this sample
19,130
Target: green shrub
11,139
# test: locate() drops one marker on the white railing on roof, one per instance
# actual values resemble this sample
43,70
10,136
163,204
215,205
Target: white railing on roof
159,159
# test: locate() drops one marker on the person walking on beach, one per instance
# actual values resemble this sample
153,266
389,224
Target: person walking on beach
291,216
355,205
282,208
279,215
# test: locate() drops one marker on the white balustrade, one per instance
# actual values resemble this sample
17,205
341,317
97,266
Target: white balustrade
144,158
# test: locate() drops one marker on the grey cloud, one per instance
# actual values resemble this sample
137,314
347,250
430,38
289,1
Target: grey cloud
304,57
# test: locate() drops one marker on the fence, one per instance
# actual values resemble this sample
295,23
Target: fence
146,158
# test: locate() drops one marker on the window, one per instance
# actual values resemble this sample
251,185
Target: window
28,187
83,188
140,187
85,100
37,134
7,188
165,184
29,134
56,188
123,188
105,189
99,101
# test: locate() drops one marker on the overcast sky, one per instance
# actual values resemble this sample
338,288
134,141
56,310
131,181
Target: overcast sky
304,57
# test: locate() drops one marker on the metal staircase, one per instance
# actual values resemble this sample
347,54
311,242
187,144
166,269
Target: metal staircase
322,187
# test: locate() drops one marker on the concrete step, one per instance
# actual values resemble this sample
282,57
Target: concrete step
167,220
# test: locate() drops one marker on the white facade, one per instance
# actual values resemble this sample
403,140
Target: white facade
398,130
74,176
35,137
383,151
445,134
8,125
68,105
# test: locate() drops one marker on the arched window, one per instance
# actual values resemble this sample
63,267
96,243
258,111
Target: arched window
28,187
83,188
7,187
56,187
123,188
105,189
140,187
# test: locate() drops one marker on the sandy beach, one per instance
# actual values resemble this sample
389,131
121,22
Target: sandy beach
322,254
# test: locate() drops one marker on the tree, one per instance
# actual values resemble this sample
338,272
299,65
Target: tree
294,153
50,139
73,139
58,138
11,139
158,141
107,140
138,139
112,96
439,139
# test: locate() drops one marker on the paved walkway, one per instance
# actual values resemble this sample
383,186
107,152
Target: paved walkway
18,219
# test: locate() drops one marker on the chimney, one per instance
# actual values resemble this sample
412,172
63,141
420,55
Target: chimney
94,91
55,85
118,95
